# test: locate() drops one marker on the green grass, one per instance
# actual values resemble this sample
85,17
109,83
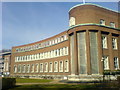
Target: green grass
27,80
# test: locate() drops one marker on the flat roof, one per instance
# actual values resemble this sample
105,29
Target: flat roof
93,5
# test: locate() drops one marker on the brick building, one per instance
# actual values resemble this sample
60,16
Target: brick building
89,46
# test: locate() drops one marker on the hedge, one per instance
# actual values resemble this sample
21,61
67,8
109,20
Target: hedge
8,83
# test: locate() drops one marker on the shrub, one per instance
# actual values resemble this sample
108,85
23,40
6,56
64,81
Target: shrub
8,83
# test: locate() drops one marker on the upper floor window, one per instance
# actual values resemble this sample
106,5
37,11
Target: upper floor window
102,22
104,42
116,63
72,21
112,24
114,43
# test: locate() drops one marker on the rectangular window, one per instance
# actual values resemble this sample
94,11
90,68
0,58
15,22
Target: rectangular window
15,69
37,67
94,52
50,67
114,43
55,66
104,42
105,62
28,69
102,22
66,66
116,63
112,24
32,67
61,66
24,68
46,67
41,67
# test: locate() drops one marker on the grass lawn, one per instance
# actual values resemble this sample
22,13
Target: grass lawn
28,80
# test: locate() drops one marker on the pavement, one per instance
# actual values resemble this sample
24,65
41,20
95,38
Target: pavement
52,82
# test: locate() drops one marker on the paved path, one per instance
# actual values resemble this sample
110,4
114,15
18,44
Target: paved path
52,82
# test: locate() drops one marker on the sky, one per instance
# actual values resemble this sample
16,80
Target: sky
28,22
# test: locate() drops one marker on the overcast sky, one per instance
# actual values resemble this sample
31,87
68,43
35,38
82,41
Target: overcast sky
28,22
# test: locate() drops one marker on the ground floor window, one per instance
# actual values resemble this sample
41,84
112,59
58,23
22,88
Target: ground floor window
37,67
61,66
32,68
41,67
28,68
24,68
15,69
66,66
55,66
116,63
105,62
46,67
50,67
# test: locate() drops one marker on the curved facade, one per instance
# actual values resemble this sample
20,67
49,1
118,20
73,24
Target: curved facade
89,46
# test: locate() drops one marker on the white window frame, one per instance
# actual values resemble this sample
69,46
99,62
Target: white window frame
46,67
37,67
41,67
102,22
106,62
50,67
116,63
60,66
15,68
32,68
104,42
56,66
66,66
112,24
114,43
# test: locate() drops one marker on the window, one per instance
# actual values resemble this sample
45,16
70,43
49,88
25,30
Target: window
46,67
112,24
37,67
55,66
41,67
19,68
106,62
24,68
66,66
28,69
114,43
102,22
61,66
32,68
50,67
104,42
15,69
71,21
116,63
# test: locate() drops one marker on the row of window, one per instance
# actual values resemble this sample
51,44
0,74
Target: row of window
104,42
102,22
43,44
106,62
44,55
56,66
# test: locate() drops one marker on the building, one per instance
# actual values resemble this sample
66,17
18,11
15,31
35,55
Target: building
90,46
1,64
5,59
7,63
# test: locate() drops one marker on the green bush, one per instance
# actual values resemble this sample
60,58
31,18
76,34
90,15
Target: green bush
8,83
